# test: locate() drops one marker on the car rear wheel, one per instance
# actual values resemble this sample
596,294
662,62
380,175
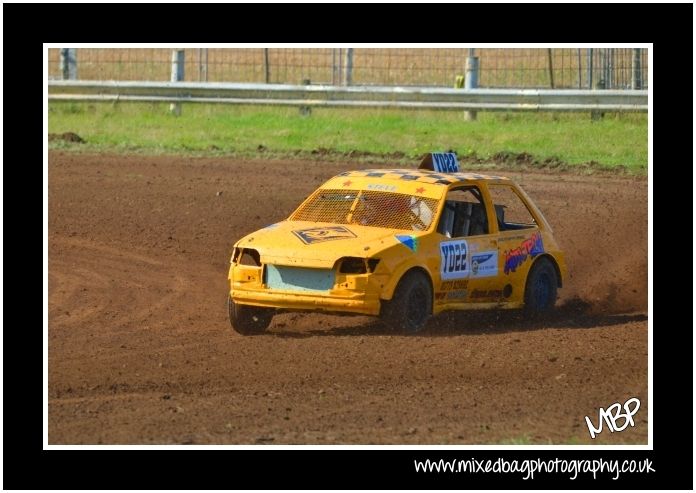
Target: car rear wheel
249,320
411,306
542,288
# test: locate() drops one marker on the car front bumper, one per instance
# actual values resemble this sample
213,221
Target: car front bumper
356,303
358,293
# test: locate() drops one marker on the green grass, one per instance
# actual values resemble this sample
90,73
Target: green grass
519,440
616,140
525,439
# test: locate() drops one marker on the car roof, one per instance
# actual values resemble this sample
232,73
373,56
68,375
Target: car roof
422,175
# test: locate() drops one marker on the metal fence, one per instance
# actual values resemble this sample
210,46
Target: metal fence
443,98
557,68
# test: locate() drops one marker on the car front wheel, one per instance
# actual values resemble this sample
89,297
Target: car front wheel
249,320
411,305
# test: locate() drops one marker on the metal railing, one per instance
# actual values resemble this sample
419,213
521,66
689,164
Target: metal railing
351,96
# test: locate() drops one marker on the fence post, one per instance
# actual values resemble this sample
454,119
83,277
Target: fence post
306,110
348,68
266,66
596,114
177,76
605,69
550,55
590,63
636,82
600,84
610,69
471,80
68,63
203,64
334,67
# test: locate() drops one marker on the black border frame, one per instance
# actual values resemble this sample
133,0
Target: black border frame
321,469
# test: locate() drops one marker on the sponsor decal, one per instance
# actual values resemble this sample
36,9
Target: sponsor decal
381,186
531,247
484,264
458,284
454,261
327,233
445,162
442,296
457,295
482,293
347,183
409,241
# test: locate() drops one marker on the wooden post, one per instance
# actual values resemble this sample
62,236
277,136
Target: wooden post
203,64
266,66
551,68
177,76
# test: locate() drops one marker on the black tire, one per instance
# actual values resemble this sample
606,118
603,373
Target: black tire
249,320
541,289
411,305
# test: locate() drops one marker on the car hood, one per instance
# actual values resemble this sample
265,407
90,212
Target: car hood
319,245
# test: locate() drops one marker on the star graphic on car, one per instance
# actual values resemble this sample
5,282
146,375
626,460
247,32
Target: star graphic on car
347,183
420,190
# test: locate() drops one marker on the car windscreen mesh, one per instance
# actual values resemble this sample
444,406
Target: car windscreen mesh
369,208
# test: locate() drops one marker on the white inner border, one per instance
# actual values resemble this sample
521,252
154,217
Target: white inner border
47,446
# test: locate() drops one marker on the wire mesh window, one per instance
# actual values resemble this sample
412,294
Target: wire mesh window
368,208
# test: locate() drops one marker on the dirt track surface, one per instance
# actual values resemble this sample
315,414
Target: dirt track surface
141,352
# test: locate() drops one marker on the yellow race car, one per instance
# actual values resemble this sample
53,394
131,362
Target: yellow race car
403,244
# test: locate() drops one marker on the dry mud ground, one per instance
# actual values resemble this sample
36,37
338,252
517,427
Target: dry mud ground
141,352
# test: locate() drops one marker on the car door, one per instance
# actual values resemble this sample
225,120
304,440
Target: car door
468,249
519,240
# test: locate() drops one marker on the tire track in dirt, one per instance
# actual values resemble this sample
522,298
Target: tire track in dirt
140,349
89,273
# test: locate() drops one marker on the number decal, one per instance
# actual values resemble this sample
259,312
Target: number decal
445,162
454,261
